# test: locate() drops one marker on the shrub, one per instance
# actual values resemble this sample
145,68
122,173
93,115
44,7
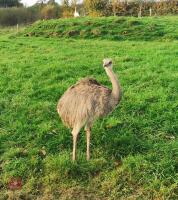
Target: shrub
95,8
13,16
67,13
49,12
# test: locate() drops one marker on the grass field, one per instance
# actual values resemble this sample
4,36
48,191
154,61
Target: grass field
134,149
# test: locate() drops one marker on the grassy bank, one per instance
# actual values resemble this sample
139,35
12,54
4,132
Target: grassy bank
134,149
110,28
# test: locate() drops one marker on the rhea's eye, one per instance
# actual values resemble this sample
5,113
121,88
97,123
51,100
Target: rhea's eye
110,63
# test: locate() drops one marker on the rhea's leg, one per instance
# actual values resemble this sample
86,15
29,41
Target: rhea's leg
75,133
88,130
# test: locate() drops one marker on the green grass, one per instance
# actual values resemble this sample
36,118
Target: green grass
112,28
134,149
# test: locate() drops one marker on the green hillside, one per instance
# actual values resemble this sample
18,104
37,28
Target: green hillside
134,150
112,28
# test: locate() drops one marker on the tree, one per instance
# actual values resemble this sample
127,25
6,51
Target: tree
16,15
66,9
51,2
166,7
10,3
49,12
41,2
140,3
65,3
73,4
95,7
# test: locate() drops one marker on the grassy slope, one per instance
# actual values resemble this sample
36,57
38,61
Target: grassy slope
122,28
134,150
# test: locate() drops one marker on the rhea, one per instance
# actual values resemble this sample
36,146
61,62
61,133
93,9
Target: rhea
86,101
76,14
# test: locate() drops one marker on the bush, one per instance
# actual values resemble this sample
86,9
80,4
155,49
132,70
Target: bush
95,8
67,13
13,16
49,12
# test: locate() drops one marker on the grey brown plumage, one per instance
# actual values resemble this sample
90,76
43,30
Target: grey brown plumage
86,101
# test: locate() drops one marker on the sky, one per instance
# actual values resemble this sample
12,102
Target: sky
31,2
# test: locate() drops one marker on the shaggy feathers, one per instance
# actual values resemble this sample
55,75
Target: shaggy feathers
93,99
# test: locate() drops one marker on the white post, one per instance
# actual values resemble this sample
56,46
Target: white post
150,12
140,12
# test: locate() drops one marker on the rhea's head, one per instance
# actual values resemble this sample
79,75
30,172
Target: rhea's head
107,62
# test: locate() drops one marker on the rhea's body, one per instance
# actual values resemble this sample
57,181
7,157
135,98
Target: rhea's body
92,98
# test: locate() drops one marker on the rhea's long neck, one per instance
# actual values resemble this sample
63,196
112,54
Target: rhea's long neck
116,88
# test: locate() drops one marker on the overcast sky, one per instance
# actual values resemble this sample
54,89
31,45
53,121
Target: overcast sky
31,2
